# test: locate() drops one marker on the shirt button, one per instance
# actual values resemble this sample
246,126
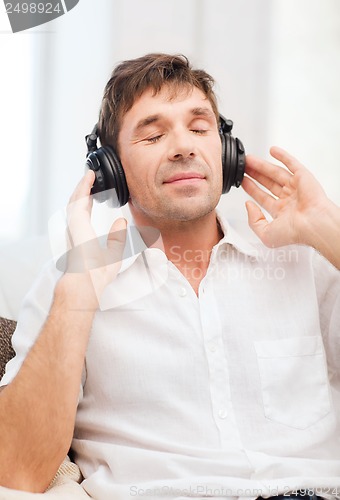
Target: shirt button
222,413
182,291
212,347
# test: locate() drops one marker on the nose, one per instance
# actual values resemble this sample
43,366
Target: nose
182,146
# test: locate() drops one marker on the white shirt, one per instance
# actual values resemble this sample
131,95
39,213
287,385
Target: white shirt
234,393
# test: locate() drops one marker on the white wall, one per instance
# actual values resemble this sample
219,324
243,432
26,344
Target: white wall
304,97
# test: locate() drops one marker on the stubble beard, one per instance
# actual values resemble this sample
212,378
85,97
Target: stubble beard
171,211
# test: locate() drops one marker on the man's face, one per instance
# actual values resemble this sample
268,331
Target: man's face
170,149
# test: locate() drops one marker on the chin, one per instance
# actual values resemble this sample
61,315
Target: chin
188,211
174,209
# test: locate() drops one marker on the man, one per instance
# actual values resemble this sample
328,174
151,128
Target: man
199,379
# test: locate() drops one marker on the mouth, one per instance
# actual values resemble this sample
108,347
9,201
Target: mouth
185,177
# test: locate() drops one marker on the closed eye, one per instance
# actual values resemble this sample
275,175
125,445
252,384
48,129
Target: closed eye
154,139
199,131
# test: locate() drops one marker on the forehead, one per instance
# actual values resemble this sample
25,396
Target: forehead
166,102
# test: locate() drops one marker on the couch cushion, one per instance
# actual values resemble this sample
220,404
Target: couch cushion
7,327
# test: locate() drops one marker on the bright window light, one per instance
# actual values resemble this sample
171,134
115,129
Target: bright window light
15,127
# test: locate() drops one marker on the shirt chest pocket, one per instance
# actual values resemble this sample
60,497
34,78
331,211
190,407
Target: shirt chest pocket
294,380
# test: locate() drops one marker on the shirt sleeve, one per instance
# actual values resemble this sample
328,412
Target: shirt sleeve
327,281
33,314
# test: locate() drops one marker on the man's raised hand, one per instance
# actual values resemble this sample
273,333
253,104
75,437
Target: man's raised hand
301,211
86,255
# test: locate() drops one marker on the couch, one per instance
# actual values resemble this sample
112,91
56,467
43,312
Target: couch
7,328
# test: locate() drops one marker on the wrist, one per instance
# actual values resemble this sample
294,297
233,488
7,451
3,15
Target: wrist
77,292
323,231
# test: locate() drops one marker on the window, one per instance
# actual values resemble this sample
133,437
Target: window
15,126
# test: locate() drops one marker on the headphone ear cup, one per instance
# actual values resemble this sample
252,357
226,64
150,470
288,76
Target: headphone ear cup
110,183
227,163
233,161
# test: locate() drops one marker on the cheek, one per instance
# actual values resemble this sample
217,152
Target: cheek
216,160
131,167
216,150
138,177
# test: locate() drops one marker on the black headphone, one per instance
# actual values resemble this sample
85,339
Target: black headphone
110,176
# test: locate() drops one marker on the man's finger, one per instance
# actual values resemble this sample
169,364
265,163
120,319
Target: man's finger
116,241
257,166
287,159
79,211
256,218
274,187
117,233
83,188
257,222
266,200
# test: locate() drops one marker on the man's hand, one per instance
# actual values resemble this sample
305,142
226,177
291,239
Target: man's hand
86,256
300,209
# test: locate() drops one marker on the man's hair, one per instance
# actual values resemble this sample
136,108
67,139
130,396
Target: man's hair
131,78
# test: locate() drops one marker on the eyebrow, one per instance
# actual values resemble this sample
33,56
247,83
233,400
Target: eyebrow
146,121
149,120
202,112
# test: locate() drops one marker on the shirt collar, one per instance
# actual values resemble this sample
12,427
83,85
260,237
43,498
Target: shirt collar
234,238
135,244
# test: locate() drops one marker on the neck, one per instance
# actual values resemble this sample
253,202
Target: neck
188,245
